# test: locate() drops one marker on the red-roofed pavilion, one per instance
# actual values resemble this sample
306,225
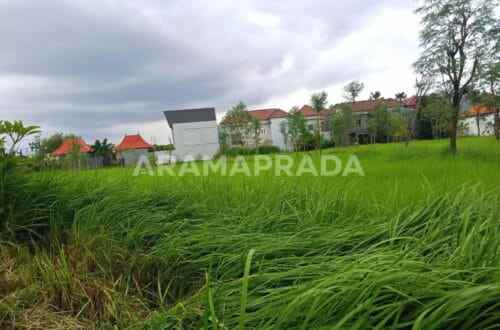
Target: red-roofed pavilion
68,144
132,149
133,142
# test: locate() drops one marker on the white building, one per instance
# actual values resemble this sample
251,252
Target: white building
194,133
478,121
270,126
311,118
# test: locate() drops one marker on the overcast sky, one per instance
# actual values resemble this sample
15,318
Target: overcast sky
105,68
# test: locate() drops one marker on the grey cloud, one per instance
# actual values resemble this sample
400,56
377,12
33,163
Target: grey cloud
111,63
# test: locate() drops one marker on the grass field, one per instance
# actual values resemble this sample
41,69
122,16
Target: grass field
415,243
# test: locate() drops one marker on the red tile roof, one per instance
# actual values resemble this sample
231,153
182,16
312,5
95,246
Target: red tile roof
266,114
131,142
411,102
478,110
67,146
370,105
308,111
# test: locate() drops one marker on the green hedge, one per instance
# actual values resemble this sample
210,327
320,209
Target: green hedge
246,151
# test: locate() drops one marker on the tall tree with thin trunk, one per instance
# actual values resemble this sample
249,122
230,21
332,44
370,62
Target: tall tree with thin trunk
375,95
297,128
400,97
455,39
352,90
491,84
318,103
423,84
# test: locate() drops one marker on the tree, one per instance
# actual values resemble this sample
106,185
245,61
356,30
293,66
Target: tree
352,90
400,97
75,156
223,140
341,123
437,111
400,125
254,128
318,103
490,82
236,122
51,143
284,132
299,135
103,149
375,95
379,125
423,84
16,132
2,145
455,38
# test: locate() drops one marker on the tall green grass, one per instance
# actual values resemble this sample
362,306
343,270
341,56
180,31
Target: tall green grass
413,244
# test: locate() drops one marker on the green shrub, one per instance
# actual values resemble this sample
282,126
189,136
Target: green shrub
245,151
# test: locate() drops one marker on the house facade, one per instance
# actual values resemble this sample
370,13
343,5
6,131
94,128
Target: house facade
270,130
194,133
364,110
478,121
269,133
131,149
311,119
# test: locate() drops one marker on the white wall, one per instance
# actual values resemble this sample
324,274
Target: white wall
277,137
131,157
486,125
163,157
196,140
313,122
265,136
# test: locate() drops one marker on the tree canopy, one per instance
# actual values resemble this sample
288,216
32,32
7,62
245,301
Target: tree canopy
352,90
456,37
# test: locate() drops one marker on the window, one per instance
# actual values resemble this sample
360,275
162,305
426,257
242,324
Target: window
359,123
310,127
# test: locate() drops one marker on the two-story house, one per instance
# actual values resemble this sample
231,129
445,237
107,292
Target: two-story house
364,110
270,130
311,118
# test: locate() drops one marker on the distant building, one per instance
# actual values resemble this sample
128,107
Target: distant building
364,110
194,133
311,118
270,127
478,121
270,133
131,149
70,145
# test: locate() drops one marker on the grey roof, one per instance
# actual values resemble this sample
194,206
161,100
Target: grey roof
189,115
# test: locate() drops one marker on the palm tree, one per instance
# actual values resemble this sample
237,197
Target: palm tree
318,103
103,149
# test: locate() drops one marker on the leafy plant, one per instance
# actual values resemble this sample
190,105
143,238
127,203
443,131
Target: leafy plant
16,131
319,103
